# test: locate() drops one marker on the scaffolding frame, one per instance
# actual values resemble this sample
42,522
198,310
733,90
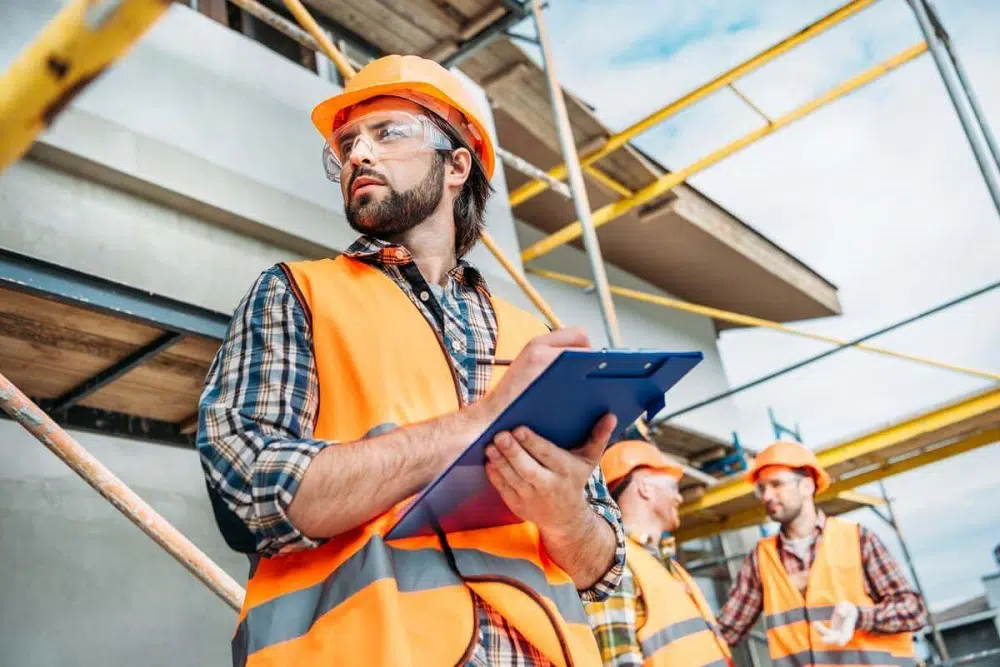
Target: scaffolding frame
85,38
936,41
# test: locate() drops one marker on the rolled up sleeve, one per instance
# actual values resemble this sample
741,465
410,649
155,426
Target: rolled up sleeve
257,411
604,505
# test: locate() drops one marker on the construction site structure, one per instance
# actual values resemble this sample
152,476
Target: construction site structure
145,187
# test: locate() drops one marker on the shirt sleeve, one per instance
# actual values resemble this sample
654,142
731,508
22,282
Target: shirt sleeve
613,621
898,608
746,600
605,506
257,411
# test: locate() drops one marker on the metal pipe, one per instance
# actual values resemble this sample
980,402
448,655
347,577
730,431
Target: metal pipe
749,320
306,20
988,168
30,416
665,183
823,355
938,639
528,169
616,141
576,184
70,52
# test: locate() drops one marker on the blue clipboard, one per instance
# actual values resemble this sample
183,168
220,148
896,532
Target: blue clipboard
562,405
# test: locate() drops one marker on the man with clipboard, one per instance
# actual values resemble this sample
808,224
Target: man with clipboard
345,385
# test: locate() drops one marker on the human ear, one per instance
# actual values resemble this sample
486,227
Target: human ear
458,168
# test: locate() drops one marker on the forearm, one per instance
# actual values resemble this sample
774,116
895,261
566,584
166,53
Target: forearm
583,547
351,483
901,612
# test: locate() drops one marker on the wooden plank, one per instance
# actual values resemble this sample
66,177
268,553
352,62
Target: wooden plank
470,8
428,16
379,25
46,313
39,369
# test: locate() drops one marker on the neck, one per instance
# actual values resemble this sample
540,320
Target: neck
640,520
432,245
803,524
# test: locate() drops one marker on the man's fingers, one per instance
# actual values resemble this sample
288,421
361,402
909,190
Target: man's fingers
498,478
499,469
547,454
568,337
525,468
599,437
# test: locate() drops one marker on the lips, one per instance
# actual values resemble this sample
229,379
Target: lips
362,181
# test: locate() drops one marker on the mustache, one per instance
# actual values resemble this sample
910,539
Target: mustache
365,171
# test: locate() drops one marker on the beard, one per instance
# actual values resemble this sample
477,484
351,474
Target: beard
398,212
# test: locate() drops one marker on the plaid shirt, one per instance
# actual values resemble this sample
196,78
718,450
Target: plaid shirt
898,608
261,399
616,619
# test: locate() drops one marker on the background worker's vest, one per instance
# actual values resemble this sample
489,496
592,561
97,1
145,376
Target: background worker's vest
357,599
837,574
680,627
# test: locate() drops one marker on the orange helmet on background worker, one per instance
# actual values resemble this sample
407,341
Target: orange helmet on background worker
785,455
422,82
622,458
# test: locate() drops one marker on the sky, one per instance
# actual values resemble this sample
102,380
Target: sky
878,192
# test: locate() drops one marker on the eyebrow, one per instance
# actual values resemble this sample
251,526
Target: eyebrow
376,126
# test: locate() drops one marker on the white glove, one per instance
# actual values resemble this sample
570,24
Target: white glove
842,624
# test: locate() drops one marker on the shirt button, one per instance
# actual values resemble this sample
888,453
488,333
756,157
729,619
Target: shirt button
424,295
456,346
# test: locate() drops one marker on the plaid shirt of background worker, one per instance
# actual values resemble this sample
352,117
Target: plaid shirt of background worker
261,400
898,608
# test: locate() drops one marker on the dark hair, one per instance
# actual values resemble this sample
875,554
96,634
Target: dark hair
470,205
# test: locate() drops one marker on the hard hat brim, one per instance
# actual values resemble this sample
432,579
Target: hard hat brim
324,114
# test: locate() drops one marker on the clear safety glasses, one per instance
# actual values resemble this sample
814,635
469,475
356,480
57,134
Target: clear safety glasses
776,483
385,135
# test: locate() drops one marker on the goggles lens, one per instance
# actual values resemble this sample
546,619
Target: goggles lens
383,134
776,482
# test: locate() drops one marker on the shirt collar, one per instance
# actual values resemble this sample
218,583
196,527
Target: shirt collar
664,548
370,249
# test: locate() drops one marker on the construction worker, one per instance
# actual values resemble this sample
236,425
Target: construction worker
345,385
830,592
658,615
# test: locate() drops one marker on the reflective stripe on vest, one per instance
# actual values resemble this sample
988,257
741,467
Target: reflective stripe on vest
680,628
837,574
357,599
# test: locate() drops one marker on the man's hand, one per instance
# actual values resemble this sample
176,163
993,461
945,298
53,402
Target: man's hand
842,624
543,483
536,356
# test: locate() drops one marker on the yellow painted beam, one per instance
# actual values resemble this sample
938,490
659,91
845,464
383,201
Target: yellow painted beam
661,186
76,46
859,498
866,445
751,321
616,141
756,515
607,181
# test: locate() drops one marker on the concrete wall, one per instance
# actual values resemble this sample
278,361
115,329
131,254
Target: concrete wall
186,170
82,585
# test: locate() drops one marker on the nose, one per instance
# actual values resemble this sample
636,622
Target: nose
769,494
361,152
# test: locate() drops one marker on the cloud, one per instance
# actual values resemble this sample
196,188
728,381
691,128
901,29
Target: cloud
877,191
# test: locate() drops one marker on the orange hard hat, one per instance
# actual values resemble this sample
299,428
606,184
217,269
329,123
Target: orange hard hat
790,455
423,82
622,458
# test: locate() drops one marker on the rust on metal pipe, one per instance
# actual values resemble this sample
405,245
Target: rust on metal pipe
30,416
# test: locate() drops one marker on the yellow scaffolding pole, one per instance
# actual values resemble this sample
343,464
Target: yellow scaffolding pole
73,49
924,425
757,515
751,321
664,184
616,141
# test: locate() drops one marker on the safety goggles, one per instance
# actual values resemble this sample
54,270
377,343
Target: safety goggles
776,482
389,134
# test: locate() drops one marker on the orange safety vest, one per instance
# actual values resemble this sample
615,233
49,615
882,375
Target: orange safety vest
836,575
680,627
358,599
